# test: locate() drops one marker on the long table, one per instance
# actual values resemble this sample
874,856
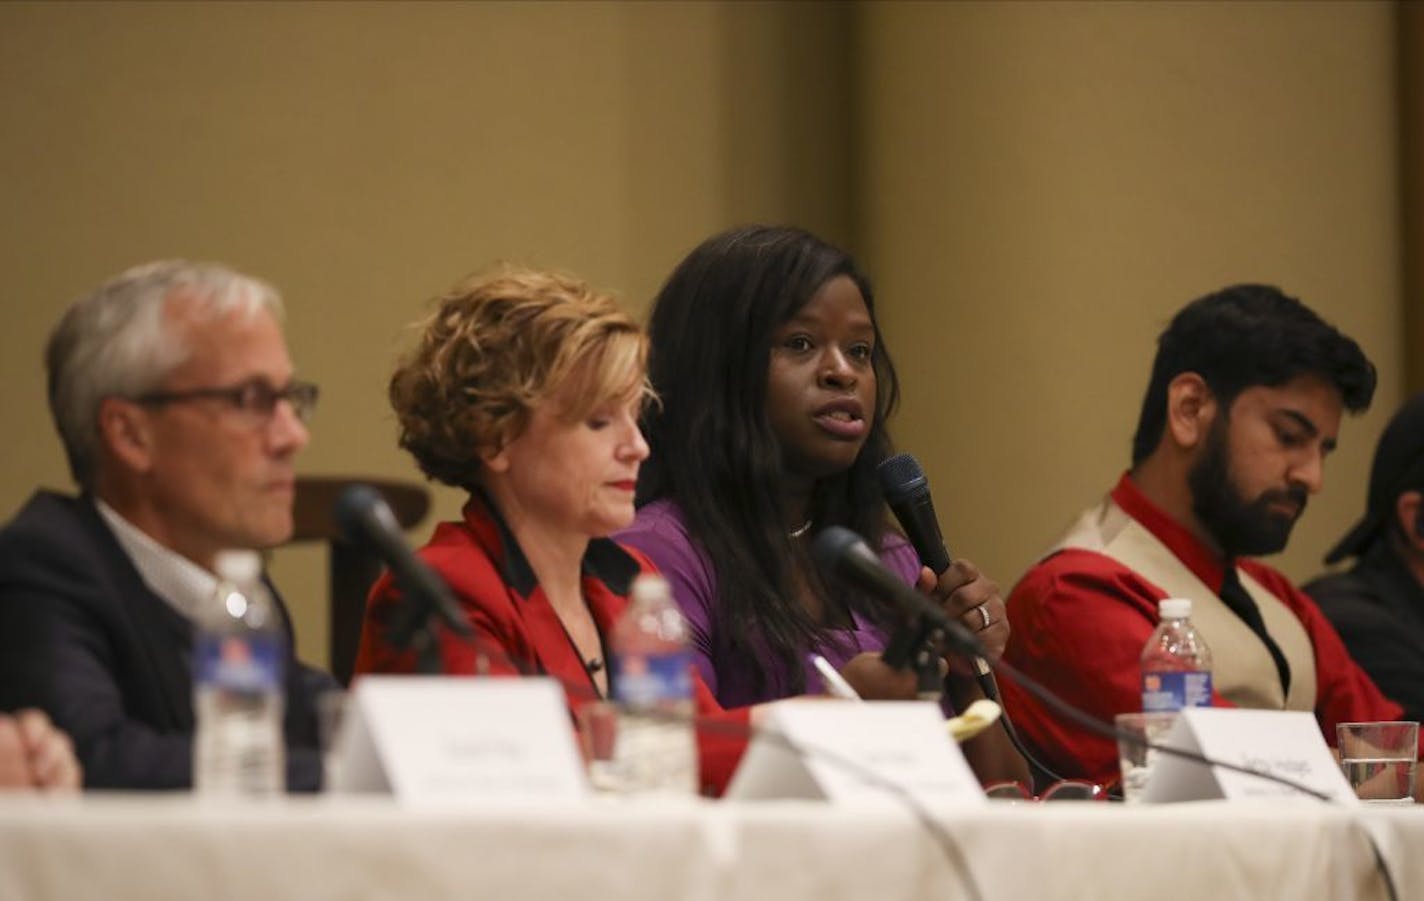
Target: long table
179,847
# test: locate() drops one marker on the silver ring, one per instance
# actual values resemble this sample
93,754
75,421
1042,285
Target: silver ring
984,616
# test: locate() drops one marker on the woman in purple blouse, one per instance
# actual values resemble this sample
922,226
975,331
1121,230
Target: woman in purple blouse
775,387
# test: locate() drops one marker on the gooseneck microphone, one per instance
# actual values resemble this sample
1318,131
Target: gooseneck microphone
844,554
366,519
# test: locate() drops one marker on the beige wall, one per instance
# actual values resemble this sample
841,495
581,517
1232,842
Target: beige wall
364,156
1047,183
1035,189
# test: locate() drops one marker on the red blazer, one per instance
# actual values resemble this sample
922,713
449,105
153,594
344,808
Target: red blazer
518,632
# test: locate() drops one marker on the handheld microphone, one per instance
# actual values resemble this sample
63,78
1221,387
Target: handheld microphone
365,518
845,555
907,492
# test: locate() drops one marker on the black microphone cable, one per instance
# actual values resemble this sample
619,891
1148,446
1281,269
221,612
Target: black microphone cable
1108,730
494,652
943,839
946,843
907,493
845,554
990,687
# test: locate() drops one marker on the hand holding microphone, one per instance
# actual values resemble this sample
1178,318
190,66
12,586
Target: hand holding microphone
973,600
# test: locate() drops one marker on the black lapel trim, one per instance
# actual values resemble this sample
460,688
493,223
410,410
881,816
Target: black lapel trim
165,636
513,565
608,562
605,559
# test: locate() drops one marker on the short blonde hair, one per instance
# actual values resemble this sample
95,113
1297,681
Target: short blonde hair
500,345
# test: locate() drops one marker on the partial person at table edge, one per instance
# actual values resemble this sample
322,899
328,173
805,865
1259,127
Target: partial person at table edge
36,756
1377,605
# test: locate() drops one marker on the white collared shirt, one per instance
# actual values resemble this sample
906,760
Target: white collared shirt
182,584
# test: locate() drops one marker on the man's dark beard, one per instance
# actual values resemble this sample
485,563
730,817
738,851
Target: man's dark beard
1241,529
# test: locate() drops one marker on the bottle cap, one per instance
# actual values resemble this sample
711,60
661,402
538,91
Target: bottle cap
1174,608
238,567
651,587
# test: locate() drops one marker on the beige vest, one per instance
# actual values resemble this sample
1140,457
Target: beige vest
1242,670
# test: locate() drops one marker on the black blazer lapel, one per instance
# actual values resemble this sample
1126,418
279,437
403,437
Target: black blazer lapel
163,638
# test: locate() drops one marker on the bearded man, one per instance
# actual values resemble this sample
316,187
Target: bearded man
1244,404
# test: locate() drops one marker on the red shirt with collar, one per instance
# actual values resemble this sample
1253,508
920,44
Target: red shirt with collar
1080,620
518,631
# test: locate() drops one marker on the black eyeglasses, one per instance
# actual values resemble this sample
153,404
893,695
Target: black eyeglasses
255,398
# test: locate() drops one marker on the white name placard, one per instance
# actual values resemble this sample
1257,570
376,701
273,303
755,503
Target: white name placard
842,750
1282,743
449,739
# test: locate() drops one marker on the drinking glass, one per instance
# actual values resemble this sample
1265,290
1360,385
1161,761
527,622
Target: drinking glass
1379,760
330,714
598,735
1134,758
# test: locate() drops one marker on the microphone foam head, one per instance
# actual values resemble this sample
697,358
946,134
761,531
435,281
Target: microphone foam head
832,544
352,506
901,475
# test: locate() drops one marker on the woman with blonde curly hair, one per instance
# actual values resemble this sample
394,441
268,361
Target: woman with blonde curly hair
525,390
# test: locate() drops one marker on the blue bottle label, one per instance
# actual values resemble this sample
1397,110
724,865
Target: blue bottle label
644,680
1173,691
242,663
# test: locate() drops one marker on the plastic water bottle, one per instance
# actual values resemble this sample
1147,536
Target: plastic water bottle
238,685
1176,664
655,747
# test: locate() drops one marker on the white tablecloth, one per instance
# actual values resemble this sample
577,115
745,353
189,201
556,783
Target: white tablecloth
160,847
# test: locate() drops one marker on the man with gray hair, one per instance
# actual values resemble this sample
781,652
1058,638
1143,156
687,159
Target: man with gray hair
174,396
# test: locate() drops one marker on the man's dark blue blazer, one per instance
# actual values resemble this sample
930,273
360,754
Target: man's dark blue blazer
83,638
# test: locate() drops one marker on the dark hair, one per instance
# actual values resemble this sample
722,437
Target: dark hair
1248,335
1398,467
714,453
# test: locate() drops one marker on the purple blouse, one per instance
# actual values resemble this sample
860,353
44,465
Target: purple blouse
660,532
